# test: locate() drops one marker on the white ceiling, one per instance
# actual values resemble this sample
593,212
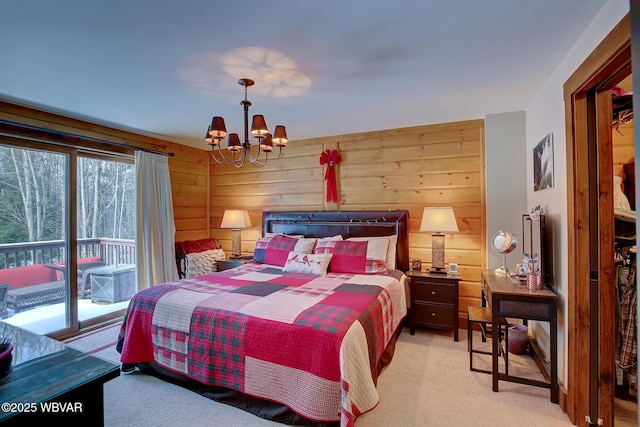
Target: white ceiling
321,68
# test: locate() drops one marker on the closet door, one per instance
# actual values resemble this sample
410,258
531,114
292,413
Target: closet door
603,297
590,221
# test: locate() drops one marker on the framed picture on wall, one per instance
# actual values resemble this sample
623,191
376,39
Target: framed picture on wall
543,164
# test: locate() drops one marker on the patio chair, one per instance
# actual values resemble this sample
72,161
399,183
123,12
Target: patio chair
84,278
192,246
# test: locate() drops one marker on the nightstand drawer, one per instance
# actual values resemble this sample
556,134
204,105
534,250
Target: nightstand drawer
434,292
433,314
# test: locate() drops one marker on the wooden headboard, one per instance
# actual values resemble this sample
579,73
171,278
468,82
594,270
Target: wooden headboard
346,223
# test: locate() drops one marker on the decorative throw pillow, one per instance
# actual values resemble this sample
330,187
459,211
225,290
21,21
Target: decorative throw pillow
199,245
275,249
307,263
304,245
364,257
199,263
391,250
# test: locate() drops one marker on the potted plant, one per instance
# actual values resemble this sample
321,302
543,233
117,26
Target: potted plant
5,357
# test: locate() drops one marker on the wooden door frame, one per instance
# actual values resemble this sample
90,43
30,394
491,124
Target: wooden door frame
611,56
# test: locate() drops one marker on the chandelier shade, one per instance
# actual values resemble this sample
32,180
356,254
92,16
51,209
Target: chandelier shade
217,128
259,126
267,143
280,136
238,152
233,144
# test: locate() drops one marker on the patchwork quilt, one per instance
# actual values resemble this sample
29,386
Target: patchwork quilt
309,342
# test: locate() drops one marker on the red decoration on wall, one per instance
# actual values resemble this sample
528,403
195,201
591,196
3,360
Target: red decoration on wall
330,158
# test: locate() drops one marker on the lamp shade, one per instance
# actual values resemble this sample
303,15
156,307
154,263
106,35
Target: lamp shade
439,220
280,136
209,139
235,219
217,128
233,144
258,126
266,144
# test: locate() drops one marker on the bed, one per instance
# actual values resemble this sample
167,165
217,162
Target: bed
298,335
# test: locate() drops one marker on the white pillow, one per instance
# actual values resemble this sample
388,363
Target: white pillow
391,249
305,245
307,263
199,263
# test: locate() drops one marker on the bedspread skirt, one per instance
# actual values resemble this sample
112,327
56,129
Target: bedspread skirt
310,343
260,407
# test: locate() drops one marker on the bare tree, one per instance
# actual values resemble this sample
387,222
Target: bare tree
33,196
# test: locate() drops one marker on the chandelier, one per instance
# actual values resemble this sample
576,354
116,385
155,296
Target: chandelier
238,153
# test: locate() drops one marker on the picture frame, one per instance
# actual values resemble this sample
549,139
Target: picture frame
453,268
543,164
416,264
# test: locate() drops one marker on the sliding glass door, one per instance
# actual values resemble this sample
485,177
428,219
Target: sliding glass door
105,232
66,268
34,238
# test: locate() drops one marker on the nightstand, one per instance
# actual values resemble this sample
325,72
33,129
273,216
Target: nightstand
434,301
231,263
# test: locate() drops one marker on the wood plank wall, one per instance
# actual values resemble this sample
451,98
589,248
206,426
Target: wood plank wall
406,168
190,184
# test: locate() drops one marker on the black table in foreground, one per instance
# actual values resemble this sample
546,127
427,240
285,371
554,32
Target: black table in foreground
52,382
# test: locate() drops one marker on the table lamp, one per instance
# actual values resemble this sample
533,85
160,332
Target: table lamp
438,221
236,220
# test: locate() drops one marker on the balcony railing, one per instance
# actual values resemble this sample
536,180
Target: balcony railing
111,251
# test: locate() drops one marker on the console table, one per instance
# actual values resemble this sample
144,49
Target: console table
508,299
46,372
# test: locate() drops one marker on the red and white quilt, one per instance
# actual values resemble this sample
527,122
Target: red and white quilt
309,342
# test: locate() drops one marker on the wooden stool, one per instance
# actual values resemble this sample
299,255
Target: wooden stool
482,316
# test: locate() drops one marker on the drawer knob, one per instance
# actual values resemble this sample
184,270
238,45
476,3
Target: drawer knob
433,314
433,292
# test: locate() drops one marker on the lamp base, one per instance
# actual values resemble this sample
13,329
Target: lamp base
437,254
236,241
437,271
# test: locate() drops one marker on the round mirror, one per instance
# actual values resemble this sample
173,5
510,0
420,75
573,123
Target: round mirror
504,242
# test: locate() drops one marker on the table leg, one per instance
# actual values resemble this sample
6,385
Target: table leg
495,348
555,392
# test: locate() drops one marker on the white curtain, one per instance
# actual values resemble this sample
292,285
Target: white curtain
155,227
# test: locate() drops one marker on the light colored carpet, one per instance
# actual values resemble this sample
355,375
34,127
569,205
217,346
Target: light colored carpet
428,383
